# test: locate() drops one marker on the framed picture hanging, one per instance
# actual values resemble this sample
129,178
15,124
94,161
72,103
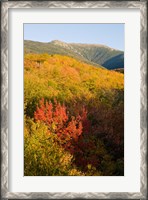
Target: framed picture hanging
74,100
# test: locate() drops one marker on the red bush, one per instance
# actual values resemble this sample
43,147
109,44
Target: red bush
59,122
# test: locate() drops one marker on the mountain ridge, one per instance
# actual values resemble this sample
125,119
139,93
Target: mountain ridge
95,54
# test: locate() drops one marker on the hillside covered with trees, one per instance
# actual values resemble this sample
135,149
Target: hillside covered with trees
73,118
94,54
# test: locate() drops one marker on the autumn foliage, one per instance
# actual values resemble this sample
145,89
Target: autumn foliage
74,118
58,122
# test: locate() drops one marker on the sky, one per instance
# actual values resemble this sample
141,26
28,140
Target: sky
111,35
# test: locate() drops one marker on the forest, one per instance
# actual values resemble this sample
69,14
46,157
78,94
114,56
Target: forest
73,117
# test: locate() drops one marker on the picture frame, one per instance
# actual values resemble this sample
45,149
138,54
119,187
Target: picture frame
5,100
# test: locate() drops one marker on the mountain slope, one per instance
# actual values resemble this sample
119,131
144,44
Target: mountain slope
94,54
67,79
73,118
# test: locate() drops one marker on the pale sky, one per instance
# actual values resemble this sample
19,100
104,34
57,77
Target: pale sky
111,35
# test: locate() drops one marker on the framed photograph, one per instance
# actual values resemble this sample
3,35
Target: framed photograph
74,100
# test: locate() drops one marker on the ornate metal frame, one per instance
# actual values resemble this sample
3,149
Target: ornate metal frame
142,5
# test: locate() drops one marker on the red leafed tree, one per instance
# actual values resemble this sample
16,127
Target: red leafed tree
74,133
56,117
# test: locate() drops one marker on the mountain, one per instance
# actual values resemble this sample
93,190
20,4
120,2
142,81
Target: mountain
95,54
